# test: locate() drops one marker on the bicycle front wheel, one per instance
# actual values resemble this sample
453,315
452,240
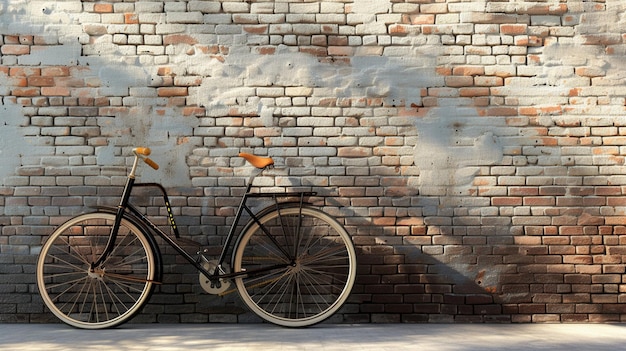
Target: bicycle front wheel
95,297
300,264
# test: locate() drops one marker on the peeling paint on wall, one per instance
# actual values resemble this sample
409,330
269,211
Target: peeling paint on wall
452,144
163,132
13,144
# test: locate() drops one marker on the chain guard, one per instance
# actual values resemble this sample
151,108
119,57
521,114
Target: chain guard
213,287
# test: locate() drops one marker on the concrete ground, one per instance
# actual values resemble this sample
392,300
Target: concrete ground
364,337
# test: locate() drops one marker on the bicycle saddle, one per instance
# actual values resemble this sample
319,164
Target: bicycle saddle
257,161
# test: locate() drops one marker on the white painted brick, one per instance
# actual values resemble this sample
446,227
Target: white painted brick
343,141
312,7
371,28
222,29
283,29
266,8
153,40
151,18
450,18
123,28
204,6
298,132
295,111
184,17
332,7
315,121
114,18
175,6
389,18
124,7
271,18
331,18
143,92
539,20
306,29
326,111
150,50
146,7
273,91
121,39
317,151
235,7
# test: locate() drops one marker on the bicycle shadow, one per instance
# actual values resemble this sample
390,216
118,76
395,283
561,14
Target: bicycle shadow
411,279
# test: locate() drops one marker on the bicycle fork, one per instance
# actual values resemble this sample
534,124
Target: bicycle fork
116,225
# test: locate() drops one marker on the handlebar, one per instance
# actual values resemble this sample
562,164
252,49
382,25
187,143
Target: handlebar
142,153
145,151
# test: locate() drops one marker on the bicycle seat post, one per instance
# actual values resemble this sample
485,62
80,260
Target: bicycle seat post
255,173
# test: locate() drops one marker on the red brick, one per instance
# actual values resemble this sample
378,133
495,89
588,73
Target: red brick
602,39
539,201
256,29
422,19
468,71
528,111
40,81
55,71
398,29
131,18
55,91
530,40
540,9
340,51
172,91
17,81
443,71
103,8
608,190
506,201
513,29
337,40
193,111
487,81
25,92
15,49
174,39
24,72
524,191
265,50
471,92
498,111
459,81
319,40
11,39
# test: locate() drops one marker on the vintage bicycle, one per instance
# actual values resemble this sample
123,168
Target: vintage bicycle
292,264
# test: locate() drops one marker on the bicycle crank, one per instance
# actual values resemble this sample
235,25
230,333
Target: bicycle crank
215,287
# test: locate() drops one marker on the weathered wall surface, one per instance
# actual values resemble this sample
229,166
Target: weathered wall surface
473,149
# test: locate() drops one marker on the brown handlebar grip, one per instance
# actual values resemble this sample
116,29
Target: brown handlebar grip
151,163
145,151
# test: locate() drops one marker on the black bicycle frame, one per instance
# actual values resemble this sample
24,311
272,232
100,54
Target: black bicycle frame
126,207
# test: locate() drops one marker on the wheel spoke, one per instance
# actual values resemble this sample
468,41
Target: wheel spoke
95,297
316,282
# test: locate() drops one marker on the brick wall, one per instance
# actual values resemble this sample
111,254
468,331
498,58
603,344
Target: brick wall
474,150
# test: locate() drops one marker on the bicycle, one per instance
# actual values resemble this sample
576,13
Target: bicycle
292,264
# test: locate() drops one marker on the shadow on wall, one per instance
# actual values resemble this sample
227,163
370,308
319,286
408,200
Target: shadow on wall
446,270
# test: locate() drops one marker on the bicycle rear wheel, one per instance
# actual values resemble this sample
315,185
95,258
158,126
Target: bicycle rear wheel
104,296
305,263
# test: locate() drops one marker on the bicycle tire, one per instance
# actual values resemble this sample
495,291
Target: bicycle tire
112,293
319,273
